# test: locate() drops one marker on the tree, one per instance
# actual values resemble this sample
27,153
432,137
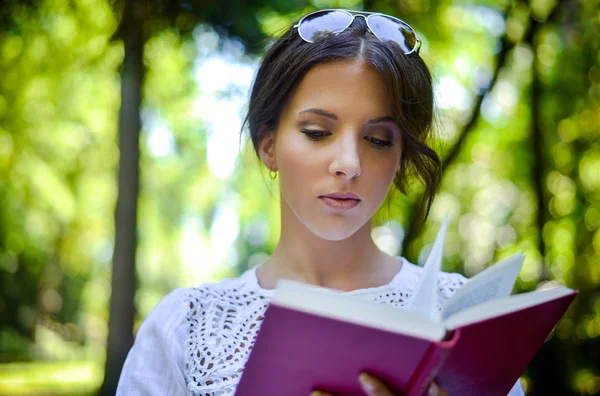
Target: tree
139,22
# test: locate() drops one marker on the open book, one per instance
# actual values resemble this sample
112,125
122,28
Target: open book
479,343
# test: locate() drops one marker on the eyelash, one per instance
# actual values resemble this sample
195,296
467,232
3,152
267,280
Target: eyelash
316,135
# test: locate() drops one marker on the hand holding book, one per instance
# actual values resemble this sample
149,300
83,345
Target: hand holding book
375,387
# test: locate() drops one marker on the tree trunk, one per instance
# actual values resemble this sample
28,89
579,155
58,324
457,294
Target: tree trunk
537,144
122,309
547,370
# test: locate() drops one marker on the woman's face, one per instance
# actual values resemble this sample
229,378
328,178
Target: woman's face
336,135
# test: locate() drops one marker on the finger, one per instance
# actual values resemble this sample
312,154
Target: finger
320,393
436,390
373,386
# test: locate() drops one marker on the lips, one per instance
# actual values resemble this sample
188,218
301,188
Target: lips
347,195
340,201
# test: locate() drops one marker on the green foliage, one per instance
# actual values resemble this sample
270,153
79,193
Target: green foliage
58,96
200,220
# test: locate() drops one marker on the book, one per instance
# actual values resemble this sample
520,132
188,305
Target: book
479,343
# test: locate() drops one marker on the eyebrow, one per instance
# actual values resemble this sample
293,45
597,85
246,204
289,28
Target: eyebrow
381,119
327,114
320,112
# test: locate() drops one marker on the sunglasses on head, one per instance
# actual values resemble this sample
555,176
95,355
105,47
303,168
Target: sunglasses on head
324,22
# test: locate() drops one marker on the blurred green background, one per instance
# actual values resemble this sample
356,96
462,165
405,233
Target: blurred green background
518,105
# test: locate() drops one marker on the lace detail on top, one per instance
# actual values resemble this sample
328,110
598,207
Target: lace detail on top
224,319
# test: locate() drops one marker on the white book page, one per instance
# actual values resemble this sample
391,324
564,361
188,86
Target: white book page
501,306
425,296
496,281
332,304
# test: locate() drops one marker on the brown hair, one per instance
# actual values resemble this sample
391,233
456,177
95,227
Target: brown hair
289,58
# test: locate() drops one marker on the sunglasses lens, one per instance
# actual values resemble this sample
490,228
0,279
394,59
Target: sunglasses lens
323,23
394,30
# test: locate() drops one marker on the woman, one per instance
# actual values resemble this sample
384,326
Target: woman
340,108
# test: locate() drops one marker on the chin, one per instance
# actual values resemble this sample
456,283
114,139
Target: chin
334,232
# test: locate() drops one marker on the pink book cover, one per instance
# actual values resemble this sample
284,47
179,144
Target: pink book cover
297,352
426,373
491,355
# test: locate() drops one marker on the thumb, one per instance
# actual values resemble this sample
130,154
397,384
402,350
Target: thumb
435,390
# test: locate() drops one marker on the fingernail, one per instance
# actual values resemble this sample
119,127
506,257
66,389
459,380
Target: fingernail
434,390
365,381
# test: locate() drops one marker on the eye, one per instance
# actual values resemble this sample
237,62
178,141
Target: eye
380,143
314,134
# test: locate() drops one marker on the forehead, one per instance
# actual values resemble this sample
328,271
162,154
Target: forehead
346,88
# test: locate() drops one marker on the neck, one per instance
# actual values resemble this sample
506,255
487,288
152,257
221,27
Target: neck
348,264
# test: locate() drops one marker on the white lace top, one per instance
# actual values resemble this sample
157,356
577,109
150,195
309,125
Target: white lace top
196,340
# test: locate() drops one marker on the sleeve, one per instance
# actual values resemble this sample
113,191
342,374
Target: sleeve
155,363
448,284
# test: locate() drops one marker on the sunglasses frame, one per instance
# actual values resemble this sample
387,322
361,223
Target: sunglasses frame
366,15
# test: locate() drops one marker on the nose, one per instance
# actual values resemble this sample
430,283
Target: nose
346,161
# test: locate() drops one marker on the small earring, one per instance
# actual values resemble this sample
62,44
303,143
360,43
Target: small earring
272,174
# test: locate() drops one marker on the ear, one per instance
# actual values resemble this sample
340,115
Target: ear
266,147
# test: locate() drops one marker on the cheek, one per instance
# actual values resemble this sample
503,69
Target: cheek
295,156
298,175
382,169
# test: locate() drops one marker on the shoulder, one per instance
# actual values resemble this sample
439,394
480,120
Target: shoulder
162,357
171,318
163,331
239,291
173,312
166,319
177,307
414,271
171,308
448,282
